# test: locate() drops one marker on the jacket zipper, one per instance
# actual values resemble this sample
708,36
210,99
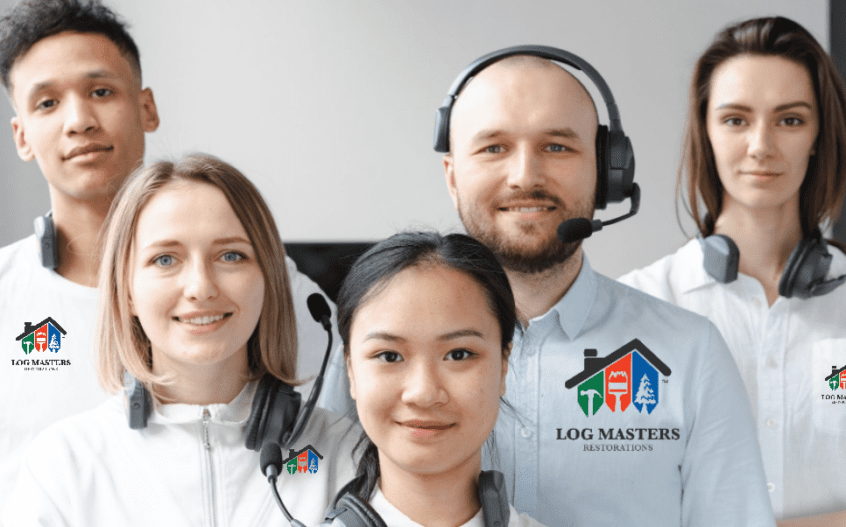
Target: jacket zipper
207,444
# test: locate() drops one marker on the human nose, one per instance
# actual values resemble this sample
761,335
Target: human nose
761,141
200,283
424,387
525,169
79,116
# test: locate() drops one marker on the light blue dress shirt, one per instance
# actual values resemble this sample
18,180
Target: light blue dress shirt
652,428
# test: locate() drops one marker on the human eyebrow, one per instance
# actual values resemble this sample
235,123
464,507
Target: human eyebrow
566,133
231,239
93,74
790,105
486,135
383,335
461,333
733,106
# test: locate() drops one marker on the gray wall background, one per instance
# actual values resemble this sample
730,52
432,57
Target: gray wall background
328,106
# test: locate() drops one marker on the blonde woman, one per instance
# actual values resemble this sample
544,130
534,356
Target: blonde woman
196,309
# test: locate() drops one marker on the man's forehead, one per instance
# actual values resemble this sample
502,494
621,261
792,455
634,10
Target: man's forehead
505,83
53,58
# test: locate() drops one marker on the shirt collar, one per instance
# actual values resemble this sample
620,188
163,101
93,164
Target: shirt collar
575,306
692,260
235,412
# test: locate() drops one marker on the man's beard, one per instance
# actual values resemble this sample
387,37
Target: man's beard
524,258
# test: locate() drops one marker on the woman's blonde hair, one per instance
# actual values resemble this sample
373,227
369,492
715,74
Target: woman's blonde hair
120,341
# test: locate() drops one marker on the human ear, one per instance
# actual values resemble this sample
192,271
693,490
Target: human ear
449,174
149,112
24,149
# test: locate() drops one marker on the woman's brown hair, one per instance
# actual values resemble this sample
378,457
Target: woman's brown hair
821,193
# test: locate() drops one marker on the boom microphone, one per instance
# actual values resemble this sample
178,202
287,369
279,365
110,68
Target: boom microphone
319,310
576,229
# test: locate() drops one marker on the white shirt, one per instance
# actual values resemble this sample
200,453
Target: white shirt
784,352
188,467
680,449
393,517
36,396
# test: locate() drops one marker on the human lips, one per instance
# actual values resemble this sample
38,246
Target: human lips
421,429
87,149
202,318
533,207
761,173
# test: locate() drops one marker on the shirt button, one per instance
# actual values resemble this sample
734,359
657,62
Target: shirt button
756,303
525,432
771,423
770,487
772,363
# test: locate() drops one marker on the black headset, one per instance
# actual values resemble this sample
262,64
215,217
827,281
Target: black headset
45,231
803,276
275,416
348,510
614,154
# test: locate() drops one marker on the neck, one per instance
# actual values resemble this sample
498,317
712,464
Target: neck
536,293
200,385
434,500
78,226
765,239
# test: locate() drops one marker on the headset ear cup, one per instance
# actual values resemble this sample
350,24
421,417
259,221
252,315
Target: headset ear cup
601,199
799,271
357,513
442,129
620,167
257,420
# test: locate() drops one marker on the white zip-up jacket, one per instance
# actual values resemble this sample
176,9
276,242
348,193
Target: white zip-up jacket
189,466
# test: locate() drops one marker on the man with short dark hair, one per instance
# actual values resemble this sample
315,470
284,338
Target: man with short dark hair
73,74
627,410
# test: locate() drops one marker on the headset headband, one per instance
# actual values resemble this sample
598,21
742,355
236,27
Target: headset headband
546,52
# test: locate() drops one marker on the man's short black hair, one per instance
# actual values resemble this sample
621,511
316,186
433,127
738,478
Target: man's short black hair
32,20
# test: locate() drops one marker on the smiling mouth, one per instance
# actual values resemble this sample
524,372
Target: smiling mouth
77,152
202,320
527,209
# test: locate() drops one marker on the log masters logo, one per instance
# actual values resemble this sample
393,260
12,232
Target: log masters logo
46,336
837,379
628,376
305,460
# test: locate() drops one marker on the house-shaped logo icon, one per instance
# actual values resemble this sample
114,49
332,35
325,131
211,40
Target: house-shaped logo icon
628,376
46,335
305,460
837,379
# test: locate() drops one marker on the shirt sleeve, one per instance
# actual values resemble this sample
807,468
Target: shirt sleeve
722,472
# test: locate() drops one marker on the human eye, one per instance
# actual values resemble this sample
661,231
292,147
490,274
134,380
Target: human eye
557,148
46,104
493,149
164,260
734,121
388,356
233,256
792,121
102,92
459,354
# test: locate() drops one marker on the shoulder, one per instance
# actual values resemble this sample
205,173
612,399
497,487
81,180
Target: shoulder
640,304
666,278
22,254
90,429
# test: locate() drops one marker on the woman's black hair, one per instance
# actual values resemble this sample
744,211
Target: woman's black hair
372,272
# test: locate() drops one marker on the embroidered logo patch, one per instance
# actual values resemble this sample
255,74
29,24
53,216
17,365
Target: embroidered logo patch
626,377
